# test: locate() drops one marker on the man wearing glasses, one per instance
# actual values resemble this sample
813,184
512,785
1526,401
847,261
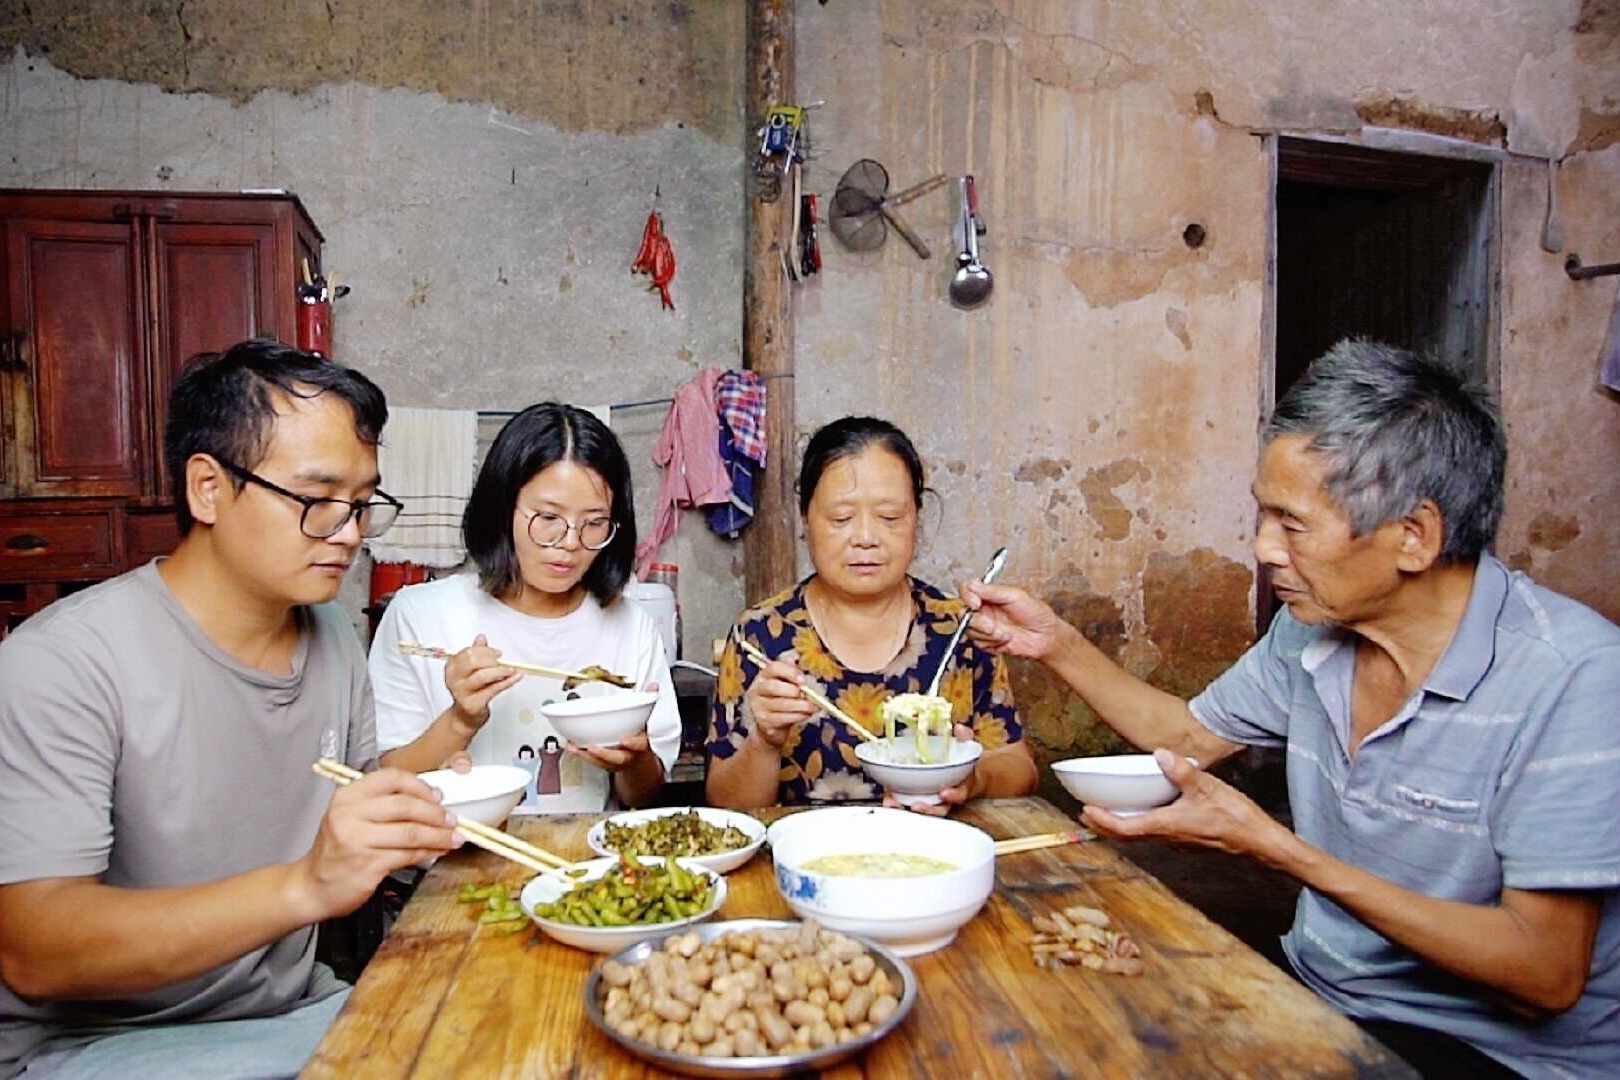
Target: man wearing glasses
166,850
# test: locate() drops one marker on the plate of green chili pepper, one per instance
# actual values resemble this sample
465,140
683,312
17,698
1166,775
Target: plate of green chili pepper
616,901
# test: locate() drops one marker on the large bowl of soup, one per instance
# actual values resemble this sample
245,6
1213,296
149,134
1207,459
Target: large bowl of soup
907,881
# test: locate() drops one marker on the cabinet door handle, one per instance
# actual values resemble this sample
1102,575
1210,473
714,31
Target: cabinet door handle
27,542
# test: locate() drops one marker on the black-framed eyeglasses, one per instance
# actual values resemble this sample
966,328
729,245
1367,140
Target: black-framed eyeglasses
325,518
550,530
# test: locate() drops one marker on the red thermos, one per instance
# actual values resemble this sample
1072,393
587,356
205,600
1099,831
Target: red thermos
315,326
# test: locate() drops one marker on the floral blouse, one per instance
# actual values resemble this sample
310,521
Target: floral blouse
818,759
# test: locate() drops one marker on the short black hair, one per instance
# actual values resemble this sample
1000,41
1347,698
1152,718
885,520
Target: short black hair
222,405
534,439
848,436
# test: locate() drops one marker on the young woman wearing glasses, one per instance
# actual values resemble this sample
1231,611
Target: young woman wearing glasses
551,531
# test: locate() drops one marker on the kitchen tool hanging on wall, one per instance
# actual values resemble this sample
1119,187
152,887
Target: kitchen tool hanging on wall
972,282
784,142
656,256
801,253
863,210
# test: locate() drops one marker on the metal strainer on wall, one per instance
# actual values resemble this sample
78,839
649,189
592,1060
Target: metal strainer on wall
862,208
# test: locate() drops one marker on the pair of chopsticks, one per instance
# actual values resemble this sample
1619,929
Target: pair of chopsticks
434,652
1041,840
815,696
478,834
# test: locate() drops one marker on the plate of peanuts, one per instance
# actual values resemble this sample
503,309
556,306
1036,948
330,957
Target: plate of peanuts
750,997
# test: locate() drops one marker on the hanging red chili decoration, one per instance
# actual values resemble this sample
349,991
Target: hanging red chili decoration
655,257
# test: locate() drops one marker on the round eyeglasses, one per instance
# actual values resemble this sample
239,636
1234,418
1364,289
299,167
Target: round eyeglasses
551,530
325,518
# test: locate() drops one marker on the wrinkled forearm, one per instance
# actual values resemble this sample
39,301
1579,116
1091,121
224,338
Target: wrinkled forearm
1531,952
1145,716
750,777
1006,772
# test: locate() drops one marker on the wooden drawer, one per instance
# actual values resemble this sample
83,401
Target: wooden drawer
148,535
78,545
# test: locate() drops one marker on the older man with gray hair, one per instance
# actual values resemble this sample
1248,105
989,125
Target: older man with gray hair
1453,755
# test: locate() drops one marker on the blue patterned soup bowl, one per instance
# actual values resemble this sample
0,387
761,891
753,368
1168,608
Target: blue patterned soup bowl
906,881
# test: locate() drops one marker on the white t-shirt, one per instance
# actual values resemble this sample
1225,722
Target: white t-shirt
411,693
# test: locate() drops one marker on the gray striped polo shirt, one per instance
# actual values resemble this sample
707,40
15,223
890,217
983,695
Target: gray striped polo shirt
1503,770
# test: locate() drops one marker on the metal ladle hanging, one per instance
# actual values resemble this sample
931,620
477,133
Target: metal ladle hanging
971,284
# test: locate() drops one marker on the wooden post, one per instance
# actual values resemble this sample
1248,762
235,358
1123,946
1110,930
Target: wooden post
768,543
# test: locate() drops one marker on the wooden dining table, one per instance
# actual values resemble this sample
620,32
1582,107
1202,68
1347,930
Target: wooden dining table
446,995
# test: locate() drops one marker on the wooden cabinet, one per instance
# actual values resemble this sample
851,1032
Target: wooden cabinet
106,296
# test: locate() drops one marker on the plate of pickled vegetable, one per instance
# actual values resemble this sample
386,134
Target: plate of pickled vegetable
720,840
616,901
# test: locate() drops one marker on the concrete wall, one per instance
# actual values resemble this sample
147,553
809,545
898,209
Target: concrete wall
1100,413
482,171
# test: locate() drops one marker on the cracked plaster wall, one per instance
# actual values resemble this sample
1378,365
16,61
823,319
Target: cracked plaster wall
1099,414
481,174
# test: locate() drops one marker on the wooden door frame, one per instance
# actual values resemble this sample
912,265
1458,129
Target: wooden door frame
1394,141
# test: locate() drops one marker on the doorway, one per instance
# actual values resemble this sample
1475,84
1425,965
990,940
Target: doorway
1389,244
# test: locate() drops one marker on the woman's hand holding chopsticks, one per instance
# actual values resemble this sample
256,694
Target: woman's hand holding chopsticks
382,822
776,703
474,676
778,678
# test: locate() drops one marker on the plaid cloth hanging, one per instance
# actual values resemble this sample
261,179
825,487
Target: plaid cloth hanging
741,401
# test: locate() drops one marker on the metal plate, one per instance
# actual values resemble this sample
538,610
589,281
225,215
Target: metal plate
776,1065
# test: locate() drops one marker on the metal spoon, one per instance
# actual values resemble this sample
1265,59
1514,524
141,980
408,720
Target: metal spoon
972,282
997,561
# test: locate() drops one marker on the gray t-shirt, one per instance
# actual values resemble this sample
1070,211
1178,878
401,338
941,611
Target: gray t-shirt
1502,770
134,750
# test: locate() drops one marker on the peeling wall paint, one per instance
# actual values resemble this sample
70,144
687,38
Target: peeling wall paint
488,247
581,65
1099,415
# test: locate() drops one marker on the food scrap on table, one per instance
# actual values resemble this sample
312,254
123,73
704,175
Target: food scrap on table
500,907
1083,935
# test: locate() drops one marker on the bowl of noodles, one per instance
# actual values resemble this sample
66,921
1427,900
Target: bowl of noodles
907,881
917,758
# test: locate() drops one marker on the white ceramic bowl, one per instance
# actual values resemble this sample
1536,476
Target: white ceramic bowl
601,719
722,863
1124,784
908,781
911,915
486,795
545,889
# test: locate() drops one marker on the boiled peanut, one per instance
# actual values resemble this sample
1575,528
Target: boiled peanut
882,1008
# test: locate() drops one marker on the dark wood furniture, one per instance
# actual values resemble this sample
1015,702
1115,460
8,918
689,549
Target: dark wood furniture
446,996
106,296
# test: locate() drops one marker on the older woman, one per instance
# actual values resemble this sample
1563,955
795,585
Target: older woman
860,629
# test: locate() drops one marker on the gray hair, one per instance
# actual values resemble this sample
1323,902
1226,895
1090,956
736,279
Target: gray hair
1397,428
